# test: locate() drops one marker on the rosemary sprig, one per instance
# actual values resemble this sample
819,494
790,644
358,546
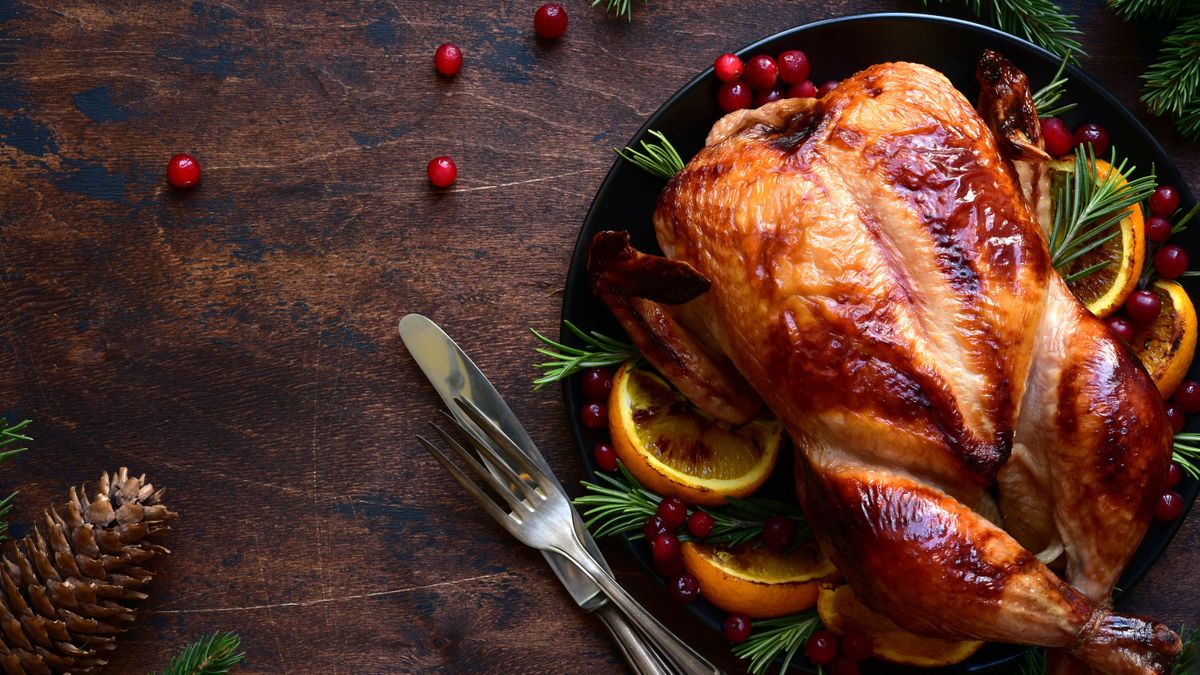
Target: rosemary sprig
619,7
1187,453
784,635
213,654
620,505
660,159
600,351
1034,662
1089,208
1188,662
1044,99
10,434
1040,21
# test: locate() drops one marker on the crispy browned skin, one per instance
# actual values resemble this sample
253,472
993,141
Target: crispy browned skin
877,278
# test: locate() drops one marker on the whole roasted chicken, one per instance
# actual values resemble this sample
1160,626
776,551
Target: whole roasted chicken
976,452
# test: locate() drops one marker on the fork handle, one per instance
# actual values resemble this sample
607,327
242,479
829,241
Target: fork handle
639,655
674,650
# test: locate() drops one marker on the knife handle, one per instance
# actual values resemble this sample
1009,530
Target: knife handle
637,653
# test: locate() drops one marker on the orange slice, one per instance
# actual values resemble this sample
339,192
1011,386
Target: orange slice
1167,345
677,451
842,613
755,581
1104,291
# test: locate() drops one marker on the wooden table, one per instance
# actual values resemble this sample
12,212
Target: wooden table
238,342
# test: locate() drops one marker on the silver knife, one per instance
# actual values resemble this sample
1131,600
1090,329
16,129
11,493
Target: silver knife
452,373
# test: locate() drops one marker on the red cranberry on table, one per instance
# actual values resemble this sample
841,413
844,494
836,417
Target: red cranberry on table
856,646
596,384
1056,136
700,524
826,87
550,21
822,647
728,68
1174,475
1122,328
183,171
805,89
1187,397
778,532
1171,262
664,547
1093,134
1169,507
734,96
1176,418
654,526
737,628
1143,306
1164,201
766,97
606,457
843,666
793,66
760,73
673,512
685,588
442,171
1158,229
448,59
594,416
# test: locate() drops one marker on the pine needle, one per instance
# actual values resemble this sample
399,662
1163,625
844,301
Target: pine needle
1034,662
1044,99
1188,662
1173,82
1131,9
600,351
10,434
213,654
1039,21
773,637
618,7
660,159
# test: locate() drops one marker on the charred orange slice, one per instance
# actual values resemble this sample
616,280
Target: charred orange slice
1166,346
755,581
842,613
677,451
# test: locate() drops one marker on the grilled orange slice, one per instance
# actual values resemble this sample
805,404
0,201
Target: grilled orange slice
677,451
755,581
1166,346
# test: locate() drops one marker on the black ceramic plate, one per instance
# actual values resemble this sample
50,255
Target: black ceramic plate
627,197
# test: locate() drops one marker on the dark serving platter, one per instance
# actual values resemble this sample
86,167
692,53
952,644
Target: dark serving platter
627,197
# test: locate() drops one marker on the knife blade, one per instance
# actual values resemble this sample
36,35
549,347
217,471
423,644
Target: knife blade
452,373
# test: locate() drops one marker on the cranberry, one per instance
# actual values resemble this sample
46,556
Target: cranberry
1093,134
1187,397
737,628
606,457
761,73
1169,507
1174,475
597,383
843,666
826,87
1056,136
550,21
822,647
1122,328
1158,228
803,89
728,68
778,532
594,416
1171,261
857,647
700,524
669,569
1143,307
664,547
1176,418
685,588
655,526
767,97
673,512
442,171
1164,201
793,66
183,171
734,96
448,59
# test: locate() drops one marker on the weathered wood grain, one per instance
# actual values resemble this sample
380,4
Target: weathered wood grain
239,342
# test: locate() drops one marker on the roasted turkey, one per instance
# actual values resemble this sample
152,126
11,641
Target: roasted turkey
977,453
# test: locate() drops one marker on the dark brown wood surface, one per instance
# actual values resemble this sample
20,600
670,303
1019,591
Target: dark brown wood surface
238,342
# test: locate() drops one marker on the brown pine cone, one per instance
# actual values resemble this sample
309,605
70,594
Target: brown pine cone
69,590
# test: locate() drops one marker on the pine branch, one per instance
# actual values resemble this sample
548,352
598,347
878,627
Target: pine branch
213,654
1131,9
1034,662
784,635
619,7
565,361
1173,82
1044,99
10,434
1039,21
660,159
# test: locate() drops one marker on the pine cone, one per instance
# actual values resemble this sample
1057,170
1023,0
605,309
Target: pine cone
67,595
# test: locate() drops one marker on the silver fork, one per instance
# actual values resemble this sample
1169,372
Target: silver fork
542,517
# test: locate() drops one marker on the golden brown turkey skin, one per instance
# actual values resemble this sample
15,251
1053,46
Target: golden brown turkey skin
877,279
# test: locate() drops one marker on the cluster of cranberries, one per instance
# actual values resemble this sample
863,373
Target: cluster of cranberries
1061,140
763,79
549,22
842,657
1186,401
596,384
